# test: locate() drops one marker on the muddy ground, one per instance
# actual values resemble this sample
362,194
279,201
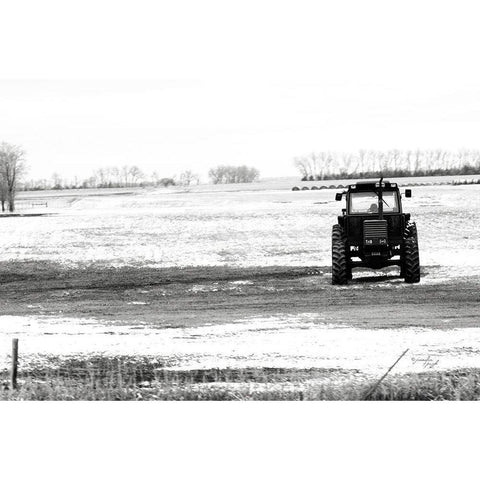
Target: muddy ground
196,296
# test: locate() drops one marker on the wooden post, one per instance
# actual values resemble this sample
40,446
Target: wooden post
13,377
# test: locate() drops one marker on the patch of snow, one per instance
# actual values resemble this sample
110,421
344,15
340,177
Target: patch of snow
158,229
290,341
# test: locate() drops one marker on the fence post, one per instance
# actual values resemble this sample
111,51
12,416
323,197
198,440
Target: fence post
13,377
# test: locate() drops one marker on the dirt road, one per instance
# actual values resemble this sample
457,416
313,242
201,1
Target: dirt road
214,295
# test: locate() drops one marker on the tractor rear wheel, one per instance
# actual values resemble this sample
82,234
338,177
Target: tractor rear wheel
411,260
339,257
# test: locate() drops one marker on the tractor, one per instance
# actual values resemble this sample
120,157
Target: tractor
373,232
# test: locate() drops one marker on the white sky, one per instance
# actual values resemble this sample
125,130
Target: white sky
192,84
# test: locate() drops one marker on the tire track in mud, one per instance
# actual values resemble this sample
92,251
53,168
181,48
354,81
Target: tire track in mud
55,277
198,295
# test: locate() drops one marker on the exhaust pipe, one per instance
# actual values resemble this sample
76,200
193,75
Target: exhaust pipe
380,199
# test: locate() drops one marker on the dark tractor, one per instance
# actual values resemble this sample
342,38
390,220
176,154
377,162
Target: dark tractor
374,232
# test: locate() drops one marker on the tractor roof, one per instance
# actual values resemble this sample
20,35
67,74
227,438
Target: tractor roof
371,184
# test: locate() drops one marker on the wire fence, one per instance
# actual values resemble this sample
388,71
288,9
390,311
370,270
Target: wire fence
29,205
104,371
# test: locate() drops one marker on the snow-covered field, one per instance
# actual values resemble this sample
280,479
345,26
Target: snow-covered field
254,228
165,228
290,341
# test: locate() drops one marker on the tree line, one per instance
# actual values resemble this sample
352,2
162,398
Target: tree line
133,176
390,163
230,174
108,177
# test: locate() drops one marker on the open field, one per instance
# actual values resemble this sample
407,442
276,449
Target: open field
239,281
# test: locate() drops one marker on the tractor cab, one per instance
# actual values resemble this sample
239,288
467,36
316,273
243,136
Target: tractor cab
367,198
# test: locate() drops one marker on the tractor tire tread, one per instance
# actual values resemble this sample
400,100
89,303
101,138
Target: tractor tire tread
340,271
411,268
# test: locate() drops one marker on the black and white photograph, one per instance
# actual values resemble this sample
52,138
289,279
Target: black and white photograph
245,210
239,203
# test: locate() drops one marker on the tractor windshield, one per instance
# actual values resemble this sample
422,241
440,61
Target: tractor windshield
367,202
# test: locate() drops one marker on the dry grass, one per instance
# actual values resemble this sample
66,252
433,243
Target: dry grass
126,378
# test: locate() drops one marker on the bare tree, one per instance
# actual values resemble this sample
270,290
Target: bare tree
188,177
244,174
57,181
125,174
229,174
135,174
155,178
303,166
3,192
12,166
407,166
346,163
101,176
116,176
314,158
394,158
218,174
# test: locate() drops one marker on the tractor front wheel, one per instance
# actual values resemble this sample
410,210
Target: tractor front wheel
339,257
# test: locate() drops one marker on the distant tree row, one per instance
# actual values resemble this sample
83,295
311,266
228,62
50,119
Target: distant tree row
391,163
133,176
230,174
109,177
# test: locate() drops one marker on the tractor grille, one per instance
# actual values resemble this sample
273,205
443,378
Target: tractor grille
374,229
